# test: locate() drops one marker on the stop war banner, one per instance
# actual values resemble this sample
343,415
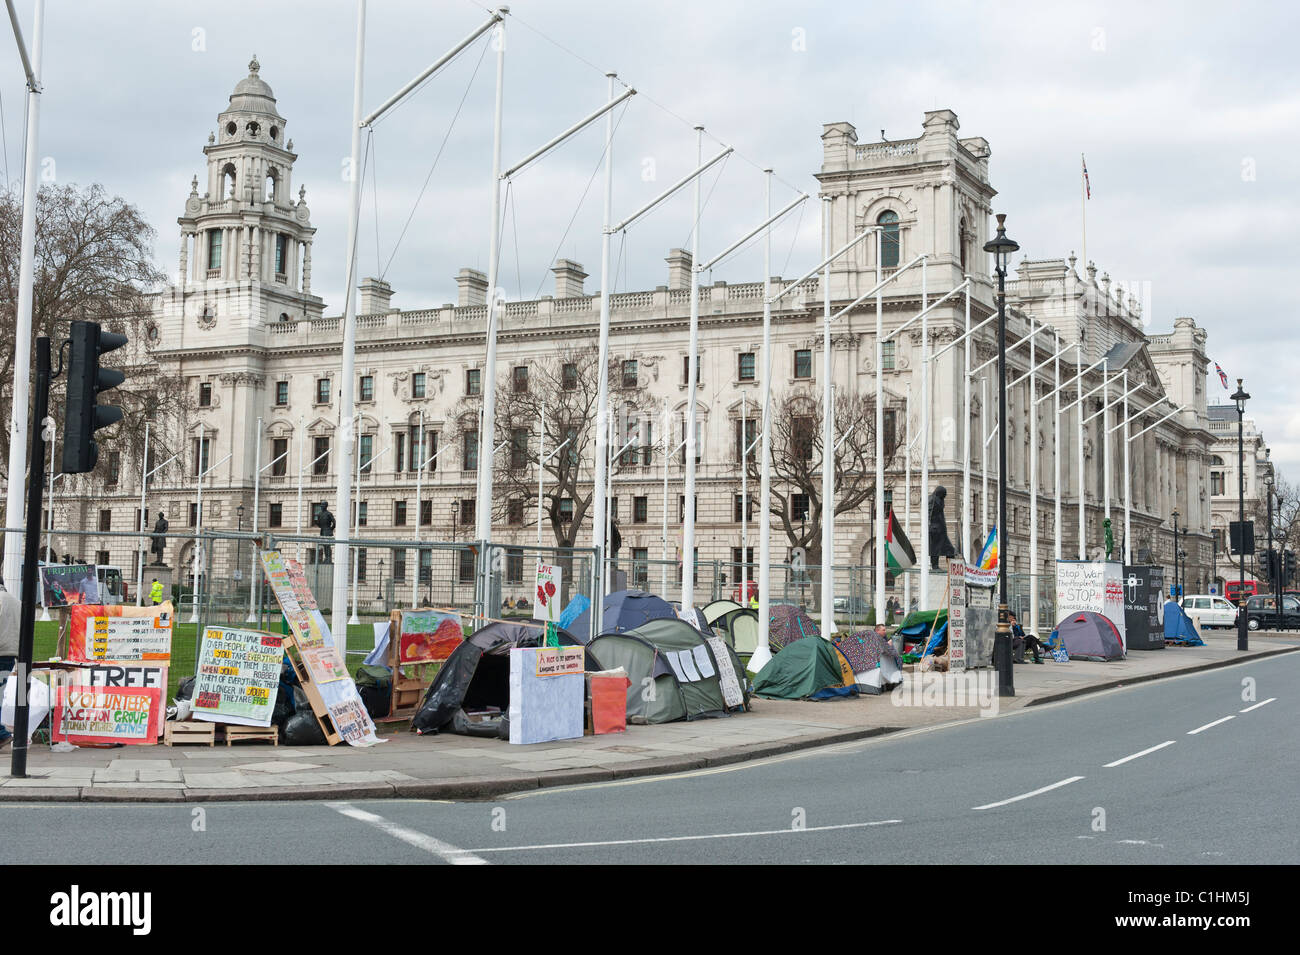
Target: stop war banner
87,715
238,676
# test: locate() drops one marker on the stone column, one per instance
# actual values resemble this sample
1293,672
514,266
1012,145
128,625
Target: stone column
306,269
184,261
255,238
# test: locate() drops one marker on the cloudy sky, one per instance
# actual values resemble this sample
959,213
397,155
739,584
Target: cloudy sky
1189,114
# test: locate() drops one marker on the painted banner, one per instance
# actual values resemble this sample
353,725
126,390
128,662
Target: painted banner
65,585
559,661
957,581
549,579
320,656
238,676
106,714
123,634
1095,585
428,636
131,675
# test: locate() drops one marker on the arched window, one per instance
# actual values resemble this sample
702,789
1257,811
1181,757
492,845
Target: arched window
228,181
270,186
889,239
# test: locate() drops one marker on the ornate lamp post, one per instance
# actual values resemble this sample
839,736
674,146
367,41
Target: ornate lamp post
1174,587
1002,247
1240,397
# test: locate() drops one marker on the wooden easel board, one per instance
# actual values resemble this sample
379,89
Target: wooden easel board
311,690
409,689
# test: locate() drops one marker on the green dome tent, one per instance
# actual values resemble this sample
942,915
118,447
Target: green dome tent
811,668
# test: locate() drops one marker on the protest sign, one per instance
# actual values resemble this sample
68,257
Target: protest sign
131,675
543,708
65,585
120,633
558,661
322,670
956,614
106,714
428,636
549,580
238,676
1094,585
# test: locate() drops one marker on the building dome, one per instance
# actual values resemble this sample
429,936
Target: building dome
253,93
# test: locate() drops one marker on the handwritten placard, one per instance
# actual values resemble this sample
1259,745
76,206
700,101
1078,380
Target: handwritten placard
559,661
549,579
121,633
106,714
238,676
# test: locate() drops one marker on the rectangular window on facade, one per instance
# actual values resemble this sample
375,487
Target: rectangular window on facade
799,507
214,249
426,513
114,468
640,566
431,452
417,385
803,431
629,373
681,507
465,565
105,520
1216,483
467,512
647,443
279,457
473,381
613,509
281,248
322,391
399,564
566,510
745,367
887,355
102,557
469,452
201,447
519,379
194,514
738,514
686,369
515,512
514,565
274,515
399,452
569,376
803,362
366,452
320,455
699,445
640,510
518,449
366,388
426,565
205,394
891,429
362,508
746,439
361,562
281,393
399,513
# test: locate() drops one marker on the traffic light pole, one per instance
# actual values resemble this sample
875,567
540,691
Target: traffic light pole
31,544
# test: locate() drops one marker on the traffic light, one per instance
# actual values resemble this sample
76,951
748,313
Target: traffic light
1270,565
1241,537
1288,567
86,380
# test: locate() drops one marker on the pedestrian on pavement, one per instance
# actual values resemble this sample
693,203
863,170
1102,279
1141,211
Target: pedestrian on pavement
10,611
156,592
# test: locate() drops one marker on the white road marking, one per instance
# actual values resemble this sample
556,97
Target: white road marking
1121,762
1258,705
1208,725
714,835
1036,792
444,850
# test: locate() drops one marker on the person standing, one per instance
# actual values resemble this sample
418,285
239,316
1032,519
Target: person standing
156,592
10,612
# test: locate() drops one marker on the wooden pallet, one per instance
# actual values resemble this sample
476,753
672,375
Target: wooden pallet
262,734
178,733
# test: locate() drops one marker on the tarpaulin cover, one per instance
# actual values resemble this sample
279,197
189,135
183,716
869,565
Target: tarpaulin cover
1178,627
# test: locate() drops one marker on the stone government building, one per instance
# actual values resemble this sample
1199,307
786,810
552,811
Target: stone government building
245,332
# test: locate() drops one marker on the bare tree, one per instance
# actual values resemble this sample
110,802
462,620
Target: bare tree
797,457
93,261
560,391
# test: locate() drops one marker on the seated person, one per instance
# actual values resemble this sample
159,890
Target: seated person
1019,642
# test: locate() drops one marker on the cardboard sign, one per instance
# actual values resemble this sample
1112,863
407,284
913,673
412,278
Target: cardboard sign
129,675
558,661
107,714
320,656
428,636
65,585
238,676
122,634
543,708
957,571
549,580
1094,585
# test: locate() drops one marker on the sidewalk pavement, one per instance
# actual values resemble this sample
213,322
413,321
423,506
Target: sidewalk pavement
455,767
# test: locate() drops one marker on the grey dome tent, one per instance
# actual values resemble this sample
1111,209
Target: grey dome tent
1090,636
675,673
477,676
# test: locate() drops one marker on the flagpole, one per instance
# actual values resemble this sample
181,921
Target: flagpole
1083,208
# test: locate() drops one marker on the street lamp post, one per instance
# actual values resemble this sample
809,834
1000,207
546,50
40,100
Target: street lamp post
1182,552
1174,586
455,571
1241,397
1274,563
239,547
1002,247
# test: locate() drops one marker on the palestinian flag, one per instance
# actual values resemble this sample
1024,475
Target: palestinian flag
898,549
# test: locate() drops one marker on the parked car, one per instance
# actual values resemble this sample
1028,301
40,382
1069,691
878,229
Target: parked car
853,605
1262,613
1212,610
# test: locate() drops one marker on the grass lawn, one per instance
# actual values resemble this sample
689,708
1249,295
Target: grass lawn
185,646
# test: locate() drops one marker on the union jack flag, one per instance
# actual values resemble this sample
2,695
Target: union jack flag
1087,186
1222,377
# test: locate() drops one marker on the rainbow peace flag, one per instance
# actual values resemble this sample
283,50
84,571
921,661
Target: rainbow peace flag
989,555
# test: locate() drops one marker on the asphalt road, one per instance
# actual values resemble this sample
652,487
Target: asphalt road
1192,769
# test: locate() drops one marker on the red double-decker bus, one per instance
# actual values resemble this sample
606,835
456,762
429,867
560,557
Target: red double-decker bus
1232,589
